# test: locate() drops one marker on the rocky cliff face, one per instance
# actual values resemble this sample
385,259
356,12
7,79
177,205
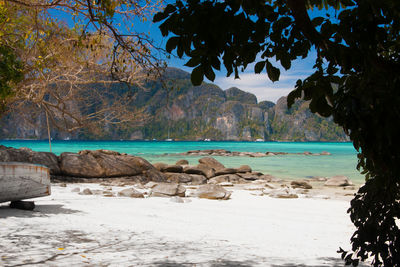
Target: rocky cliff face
186,112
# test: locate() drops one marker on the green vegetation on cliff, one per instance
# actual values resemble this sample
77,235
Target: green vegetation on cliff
187,112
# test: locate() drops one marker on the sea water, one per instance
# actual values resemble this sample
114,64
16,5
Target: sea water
342,161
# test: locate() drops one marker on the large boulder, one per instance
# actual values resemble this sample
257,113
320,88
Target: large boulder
211,191
168,190
193,170
104,163
160,166
153,175
207,171
243,169
338,180
212,163
50,160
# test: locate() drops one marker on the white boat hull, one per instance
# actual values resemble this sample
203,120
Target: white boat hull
20,181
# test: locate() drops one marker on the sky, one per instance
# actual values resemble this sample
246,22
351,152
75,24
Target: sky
258,84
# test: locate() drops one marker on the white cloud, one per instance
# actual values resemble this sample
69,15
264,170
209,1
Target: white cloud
261,86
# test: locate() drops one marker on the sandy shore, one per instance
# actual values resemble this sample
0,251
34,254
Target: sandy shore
68,229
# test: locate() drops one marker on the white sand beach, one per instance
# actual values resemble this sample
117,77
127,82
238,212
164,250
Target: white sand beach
68,229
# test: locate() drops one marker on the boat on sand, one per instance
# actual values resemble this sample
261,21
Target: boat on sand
20,181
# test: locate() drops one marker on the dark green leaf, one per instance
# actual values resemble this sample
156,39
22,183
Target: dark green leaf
273,72
259,67
171,44
193,62
160,16
347,2
169,9
285,61
317,21
210,73
197,76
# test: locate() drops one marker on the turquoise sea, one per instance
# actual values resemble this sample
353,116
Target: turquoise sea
342,161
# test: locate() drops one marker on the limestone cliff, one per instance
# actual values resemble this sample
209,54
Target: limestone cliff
186,112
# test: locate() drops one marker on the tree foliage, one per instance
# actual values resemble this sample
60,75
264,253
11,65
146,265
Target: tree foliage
10,73
57,60
356,80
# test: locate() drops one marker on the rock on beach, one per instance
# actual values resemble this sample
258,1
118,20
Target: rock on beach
212,163
211,191
130,192
338,180
102,163
48,159
168,190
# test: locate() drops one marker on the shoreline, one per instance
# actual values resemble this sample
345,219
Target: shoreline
155,141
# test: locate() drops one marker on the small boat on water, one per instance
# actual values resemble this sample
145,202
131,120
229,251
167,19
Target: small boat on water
20,181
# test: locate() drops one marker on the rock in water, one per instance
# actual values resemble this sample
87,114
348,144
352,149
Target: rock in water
338,180
211,191
168,190
182,162
212,163
243,169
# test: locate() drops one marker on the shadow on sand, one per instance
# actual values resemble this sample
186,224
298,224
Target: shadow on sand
227,263
39,211
222,263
